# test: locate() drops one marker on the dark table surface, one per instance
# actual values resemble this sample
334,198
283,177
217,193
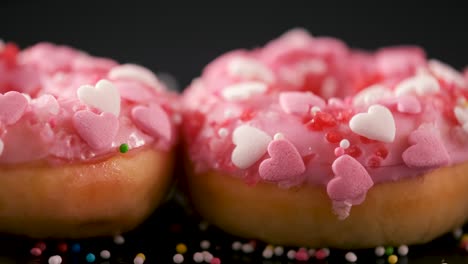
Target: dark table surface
174,223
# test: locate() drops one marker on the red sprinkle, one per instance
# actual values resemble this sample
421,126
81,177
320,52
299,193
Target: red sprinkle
321,254
9,53
382,152
36,251
215,261
302,255
374,162
333,137
247,114
353,151
321,120
62,247
344,115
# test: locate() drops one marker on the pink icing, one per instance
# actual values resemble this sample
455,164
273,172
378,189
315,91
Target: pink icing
299,65
44,117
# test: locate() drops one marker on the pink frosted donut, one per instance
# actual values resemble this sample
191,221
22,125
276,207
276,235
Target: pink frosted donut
307,142
86,144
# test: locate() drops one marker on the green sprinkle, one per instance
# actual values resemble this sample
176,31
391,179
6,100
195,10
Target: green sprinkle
389,251
124,148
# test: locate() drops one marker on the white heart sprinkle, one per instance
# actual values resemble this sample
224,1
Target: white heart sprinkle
1,146
461,113
243,91
250,69
371,95
377,124
251,144
105,96
423,84
446,72
134,72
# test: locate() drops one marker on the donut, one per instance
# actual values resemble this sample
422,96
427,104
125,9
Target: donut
308,142
86,144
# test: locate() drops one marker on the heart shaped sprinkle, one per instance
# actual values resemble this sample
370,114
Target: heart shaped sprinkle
408,104
104,96
250,69
299,102
98,131
285,162
244,90
251,144
371,95
136,73
46,104
461,113
2,145
351,181
447,73
12,107
153,120
423,84
377,124
427,150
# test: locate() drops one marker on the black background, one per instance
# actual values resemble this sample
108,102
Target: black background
181,37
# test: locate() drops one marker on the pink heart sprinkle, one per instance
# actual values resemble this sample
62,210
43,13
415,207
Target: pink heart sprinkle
12,107
351,180
408,104
98,131
299,102
153,120
284,164
427,150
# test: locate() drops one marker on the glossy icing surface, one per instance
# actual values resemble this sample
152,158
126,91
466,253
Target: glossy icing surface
60,104
310,110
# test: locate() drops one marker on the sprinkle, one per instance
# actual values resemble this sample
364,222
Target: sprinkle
403,250
105,254
465,238
351,257
278,136
344,144
378,123
35,251
392,259
124,148
379,251
457,233
215,261
339,151
236,245
104,96
181,248
76,248
315,109
389,251
119,240
322,253
244,90
311,252
249,69
141,255
62,247
205,244
301,255
247,248
198,257
41,245
228,114
267,253
279,250
291,254
55,259
207,256
178,258
139,260
90,257
223,132
251,144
